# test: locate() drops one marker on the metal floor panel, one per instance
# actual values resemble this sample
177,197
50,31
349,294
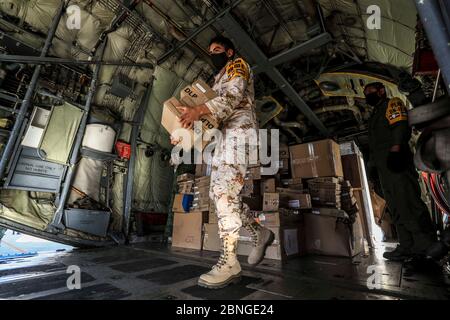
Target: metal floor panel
234,292
142,265
38,284
175,275
156,271
44,268
103,291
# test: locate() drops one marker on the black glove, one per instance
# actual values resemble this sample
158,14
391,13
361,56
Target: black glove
397,161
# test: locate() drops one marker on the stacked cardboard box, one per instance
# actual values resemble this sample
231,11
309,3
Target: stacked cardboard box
262,195
183,199
287,199
201,194
331,228
316,159
294,199
203,169
268,185
312,210
283,165
187,224
325,192
333,192
185,183
296,184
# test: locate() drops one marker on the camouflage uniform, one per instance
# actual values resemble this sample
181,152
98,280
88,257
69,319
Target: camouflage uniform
234,109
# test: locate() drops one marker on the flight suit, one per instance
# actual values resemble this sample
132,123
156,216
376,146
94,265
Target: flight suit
388,126
234,109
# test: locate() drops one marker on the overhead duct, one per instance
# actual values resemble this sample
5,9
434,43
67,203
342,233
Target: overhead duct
287,126
291,124
344,107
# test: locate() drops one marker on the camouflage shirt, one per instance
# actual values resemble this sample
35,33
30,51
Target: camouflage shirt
234,106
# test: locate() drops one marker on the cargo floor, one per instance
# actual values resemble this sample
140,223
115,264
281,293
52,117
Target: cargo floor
155,271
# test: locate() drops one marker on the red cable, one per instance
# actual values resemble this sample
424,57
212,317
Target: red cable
436,195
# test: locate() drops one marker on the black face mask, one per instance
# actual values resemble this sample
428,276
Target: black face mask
373,99
219,60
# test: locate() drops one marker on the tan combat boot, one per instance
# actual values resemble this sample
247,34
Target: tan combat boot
261,239
227,270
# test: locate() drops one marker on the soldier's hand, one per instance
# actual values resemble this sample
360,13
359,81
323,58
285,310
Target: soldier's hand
188,116
174,141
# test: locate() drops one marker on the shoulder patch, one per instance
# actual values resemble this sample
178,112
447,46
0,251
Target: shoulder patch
238,68
396,111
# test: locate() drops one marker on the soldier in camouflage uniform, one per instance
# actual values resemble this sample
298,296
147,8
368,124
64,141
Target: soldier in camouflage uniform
391,157
234,109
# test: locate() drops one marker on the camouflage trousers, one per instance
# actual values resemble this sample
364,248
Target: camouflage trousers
227,180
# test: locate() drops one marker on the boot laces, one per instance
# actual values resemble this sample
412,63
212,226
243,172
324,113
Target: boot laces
255,235
223,259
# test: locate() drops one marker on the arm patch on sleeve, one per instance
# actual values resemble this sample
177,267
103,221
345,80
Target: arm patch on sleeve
396,111
238,68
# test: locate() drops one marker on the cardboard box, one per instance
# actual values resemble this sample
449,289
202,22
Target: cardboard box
325,235
271,201
295,184
185,177
295,199
182,202
202,182
331,187
349,147
212,215
254,173
200,206
268,185
202,170
351,166
186,187
198,93
316,159
283,166
326,192
188,230
190,96
326,181
326,198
